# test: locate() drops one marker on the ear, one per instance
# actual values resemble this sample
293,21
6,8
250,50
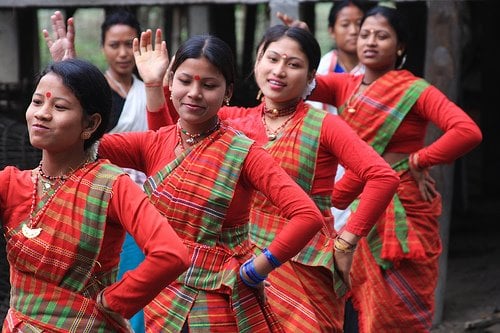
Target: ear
93,123
311,76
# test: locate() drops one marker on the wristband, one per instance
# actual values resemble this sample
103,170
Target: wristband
271,258
153,84
249,268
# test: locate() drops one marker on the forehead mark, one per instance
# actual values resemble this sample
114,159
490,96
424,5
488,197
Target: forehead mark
48,94
197,77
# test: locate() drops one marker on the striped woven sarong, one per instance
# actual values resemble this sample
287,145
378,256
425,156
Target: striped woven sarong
54,286
395,268
194,192
303,292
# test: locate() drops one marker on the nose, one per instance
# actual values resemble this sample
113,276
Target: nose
279,69
353,29
372,39
123,51
195,91
43,113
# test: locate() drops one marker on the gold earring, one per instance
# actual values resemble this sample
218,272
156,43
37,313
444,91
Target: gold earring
259,95
85,135
399,53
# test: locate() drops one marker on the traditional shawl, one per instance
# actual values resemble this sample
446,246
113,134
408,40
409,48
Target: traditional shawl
54,285
378,113
133,117
296,151
194,192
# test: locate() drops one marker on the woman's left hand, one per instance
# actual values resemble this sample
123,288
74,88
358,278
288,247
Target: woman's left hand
426,184
343,263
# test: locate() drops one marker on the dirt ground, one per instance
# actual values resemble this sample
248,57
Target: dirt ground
472,291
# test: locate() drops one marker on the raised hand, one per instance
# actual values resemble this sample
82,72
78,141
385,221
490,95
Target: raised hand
152,62
292,22
62,43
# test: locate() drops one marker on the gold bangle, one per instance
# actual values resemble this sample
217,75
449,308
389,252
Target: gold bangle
413,161
343,246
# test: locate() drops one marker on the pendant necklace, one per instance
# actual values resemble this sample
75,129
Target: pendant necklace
272,135
28,230
194,138
118,84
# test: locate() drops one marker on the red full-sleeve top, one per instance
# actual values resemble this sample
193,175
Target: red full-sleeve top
338,144
461,134
151,151
129,209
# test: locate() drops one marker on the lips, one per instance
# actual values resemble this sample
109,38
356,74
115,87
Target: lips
39,126
193,107
276,84
370,53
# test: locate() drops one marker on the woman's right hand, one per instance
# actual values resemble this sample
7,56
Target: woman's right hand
152,62
62,45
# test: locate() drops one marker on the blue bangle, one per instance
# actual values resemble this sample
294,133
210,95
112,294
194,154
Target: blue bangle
255,278
245,281
271,258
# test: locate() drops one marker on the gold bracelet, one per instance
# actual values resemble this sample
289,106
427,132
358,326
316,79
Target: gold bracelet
343,246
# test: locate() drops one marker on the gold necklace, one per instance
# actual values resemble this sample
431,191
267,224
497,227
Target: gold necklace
272,135
29,230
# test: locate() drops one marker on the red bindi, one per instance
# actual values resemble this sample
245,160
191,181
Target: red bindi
197,77
48,94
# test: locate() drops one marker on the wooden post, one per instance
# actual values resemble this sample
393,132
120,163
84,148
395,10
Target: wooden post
442,69
9,40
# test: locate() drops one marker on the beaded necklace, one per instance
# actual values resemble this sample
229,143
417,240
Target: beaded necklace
48,181
275,112
272,135
29,230
194,138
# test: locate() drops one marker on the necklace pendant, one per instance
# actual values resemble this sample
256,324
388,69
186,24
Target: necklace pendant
190,141
351,110
30,233
271,137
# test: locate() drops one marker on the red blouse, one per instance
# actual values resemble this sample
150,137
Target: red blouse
129,209
338,144
151,151
461,134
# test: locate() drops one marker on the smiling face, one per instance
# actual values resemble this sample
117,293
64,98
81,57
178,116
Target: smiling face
198,90
282,72
378,44
346,28
117,48
55,117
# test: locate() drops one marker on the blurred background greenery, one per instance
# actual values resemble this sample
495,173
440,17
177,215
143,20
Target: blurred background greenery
88,30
